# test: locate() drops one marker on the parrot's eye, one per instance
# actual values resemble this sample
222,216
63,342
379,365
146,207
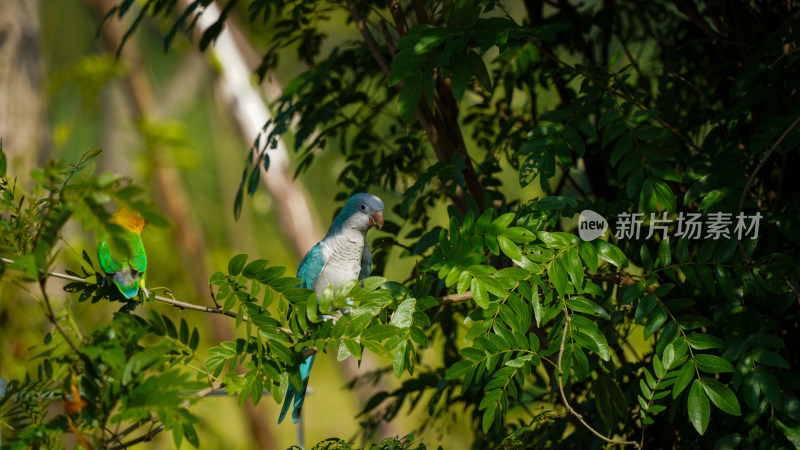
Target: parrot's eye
363,207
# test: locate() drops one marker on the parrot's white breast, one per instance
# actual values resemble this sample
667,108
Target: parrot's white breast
343,254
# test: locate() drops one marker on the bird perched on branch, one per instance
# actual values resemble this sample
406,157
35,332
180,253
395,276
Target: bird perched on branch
122,257
341,256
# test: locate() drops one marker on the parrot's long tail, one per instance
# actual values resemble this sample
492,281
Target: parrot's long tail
294,397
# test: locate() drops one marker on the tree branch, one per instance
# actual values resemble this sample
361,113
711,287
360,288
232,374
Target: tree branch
52,316
564,396
169,301
454,298
755,172
368,38
144,438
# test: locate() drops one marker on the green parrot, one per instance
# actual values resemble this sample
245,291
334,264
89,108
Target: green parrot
125,264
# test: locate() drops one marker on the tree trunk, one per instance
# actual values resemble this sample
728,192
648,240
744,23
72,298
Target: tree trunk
21,80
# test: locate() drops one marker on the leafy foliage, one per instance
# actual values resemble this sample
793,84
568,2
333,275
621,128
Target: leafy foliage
465,102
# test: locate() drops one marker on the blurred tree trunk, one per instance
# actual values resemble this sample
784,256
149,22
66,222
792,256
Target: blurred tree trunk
21,81
250,112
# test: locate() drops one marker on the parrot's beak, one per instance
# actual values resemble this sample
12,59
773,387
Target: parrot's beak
376,219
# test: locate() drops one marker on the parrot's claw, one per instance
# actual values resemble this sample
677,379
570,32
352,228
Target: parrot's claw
146,294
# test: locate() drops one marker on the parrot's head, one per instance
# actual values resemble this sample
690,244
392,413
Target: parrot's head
361,212
128,219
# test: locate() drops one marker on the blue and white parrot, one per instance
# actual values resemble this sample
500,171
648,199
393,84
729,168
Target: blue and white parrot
342,255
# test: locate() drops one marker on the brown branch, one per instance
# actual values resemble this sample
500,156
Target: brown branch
454,298
368,38
399,17
564,396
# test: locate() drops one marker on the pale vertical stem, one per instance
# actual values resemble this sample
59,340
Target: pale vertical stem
251,113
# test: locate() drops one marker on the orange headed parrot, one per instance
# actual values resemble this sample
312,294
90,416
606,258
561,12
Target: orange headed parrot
124,259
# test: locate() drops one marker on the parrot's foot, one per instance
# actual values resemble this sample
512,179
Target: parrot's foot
146,294
333,318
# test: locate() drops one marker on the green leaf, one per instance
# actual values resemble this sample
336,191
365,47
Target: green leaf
587,306
721,396
236,264
492,244
790,429
558,276
668,335
712,364
699,407
409,98
380,332
401,318
574,140
768,384
458,370
682,253
607,117
769,358
704,341
478,68
650,133
488,417
572,262
654,322
353,347
502,222
664,254
583,125
725,283
509,248
538,312
684,377
254,268
589,328
621,148
589,256
610,253
765,340
344,351
479,294
614,130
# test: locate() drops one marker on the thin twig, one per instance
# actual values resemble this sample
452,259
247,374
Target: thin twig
564,396
215,386
118,437
169,301
52,316
755,172
144,438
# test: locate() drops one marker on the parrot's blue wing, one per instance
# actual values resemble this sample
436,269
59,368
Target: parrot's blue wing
311,266
366,263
